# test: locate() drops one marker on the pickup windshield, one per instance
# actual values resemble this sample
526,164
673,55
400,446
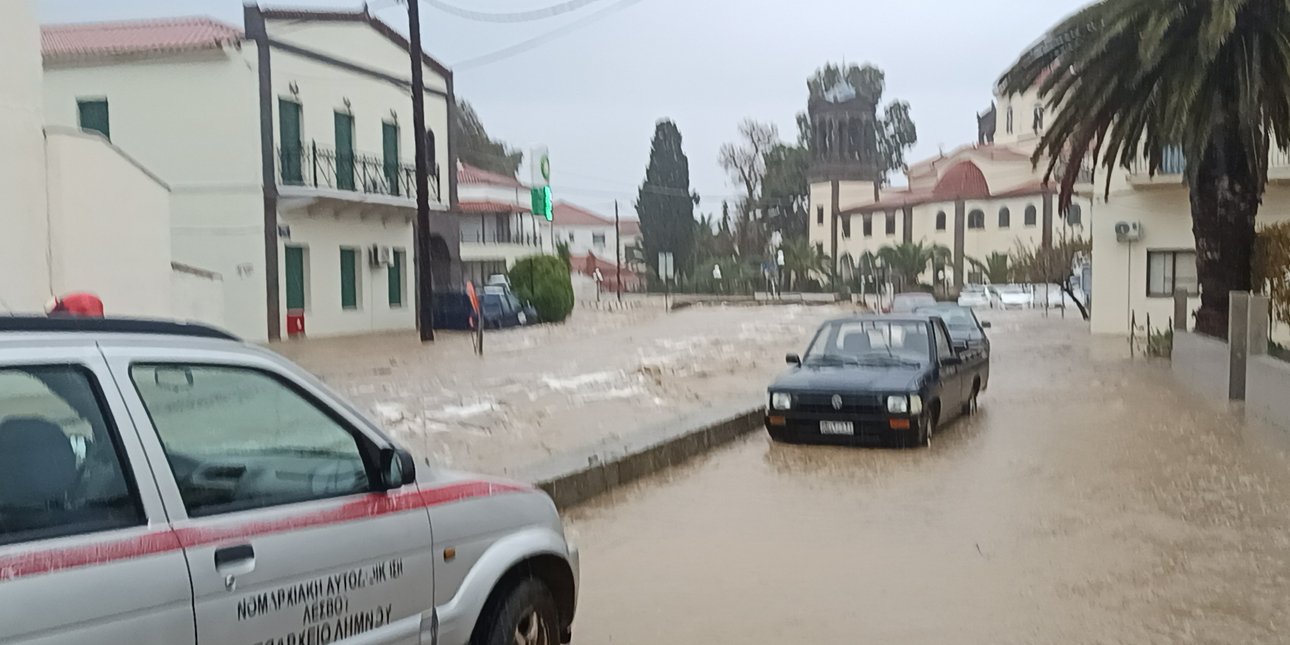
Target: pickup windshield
870,342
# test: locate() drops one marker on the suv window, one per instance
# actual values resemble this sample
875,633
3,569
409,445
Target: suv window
61,468
239,439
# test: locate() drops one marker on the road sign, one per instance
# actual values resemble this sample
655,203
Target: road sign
541,202
666,267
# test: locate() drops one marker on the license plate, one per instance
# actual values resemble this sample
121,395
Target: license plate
837,427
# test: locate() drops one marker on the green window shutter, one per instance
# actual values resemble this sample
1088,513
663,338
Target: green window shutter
295,259
93,115
290,142
396,278
348,279
344,151
390,154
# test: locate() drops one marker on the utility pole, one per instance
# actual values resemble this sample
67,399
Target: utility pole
618,254
421,228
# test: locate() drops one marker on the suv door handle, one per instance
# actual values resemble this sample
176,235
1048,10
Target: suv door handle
231,556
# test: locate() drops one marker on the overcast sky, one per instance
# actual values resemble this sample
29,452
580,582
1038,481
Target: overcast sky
595,86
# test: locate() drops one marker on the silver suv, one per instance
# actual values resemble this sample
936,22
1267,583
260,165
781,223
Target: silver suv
165,483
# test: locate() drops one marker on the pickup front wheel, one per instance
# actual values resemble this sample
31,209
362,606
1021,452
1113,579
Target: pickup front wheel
525,616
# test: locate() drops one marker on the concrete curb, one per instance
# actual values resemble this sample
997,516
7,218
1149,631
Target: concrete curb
575,478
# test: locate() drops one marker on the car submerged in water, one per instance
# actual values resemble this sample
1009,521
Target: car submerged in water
875,379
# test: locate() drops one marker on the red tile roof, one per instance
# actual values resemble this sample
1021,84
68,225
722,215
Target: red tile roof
964,180
468,174
135,37
489,206
567,214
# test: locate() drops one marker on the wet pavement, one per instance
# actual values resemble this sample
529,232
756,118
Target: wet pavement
1090,501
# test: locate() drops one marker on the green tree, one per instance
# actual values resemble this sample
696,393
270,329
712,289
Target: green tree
784,195
1208,76
894,129
476,148
664,203
995,268
801,260
909,260
544,281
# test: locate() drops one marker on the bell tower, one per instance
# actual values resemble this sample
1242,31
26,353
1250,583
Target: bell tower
844,161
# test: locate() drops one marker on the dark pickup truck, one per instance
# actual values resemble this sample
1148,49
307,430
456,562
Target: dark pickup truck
871,379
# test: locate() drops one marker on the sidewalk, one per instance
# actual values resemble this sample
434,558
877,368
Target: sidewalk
554,390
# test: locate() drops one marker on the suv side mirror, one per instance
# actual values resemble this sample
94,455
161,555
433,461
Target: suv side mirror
398,468
793,359
985,324
951,360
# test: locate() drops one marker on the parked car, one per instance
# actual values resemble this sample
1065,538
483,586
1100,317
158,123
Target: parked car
974,295
1051,295
903,303
501,308
967,334
1013,296
873,378
166,483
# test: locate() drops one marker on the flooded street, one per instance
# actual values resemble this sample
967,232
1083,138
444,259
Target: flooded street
1090,501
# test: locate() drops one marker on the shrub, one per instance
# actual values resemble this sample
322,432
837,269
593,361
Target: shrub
544,282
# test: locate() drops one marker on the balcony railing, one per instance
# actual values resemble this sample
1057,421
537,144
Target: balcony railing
316,166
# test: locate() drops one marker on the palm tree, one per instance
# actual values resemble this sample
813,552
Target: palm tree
801,259
909,260
995,268
1208,76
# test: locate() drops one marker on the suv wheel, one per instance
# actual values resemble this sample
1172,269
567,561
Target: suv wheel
526,615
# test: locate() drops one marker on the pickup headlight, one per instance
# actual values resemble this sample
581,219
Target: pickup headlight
781,401
911,404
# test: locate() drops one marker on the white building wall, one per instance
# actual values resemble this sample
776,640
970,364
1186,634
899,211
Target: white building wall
109,226
25,285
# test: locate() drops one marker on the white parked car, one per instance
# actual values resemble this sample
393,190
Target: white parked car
974,295
166,483
1013,296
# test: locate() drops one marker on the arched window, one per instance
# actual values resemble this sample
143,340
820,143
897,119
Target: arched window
1009,120
1005,217
1039,118
1031,215
976,219
940,221
431,156
1075,215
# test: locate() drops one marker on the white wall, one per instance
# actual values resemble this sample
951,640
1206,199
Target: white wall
25,285
109,225
196,295
323,234
1120,270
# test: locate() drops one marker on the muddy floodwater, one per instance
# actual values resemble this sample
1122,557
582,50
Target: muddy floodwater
1090,501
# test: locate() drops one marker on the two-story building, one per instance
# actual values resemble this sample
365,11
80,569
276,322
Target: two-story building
596,242
287,145
498,226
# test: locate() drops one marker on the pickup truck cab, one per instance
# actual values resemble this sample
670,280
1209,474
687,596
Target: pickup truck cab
873,378
166,483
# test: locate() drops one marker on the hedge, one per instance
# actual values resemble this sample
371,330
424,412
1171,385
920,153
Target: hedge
544,282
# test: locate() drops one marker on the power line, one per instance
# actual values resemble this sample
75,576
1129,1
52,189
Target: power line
513,16
526,45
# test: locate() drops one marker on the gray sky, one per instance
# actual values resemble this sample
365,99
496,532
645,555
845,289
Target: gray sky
593,93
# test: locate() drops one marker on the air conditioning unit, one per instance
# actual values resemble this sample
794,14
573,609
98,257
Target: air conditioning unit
1128,232
379,256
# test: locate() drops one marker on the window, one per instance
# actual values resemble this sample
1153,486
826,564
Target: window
390,156
398,268
943,347
344,123
1075,215
349,278
1032,215
891,224
1005,217
1009,120
62,471
291,142
868,225
239,439
598,240
940,221
976,219
819,215
1039,118
92,114
846,225
432,155
1169,271
297,270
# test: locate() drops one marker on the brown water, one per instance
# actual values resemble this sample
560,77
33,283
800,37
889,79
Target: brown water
1089,502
